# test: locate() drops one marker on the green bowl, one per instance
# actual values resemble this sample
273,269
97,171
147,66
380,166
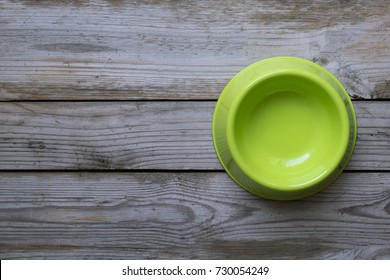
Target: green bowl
284,128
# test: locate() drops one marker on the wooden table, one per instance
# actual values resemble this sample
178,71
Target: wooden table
105,129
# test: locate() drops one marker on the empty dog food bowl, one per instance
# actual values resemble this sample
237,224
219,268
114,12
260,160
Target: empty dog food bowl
284,128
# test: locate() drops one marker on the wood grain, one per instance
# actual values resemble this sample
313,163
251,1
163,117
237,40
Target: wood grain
131,173
144,135
138,50
188,215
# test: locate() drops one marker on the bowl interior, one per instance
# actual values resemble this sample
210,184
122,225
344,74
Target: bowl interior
288,131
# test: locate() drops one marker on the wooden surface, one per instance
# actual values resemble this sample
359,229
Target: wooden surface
115,49
105,130
144,135
188,215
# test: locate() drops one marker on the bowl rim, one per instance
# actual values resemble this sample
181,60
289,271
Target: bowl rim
336,101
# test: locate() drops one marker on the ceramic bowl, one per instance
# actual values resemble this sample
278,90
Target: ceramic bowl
284,128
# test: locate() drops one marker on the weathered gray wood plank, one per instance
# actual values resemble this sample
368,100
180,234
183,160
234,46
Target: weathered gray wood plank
83,50
188,215
144,135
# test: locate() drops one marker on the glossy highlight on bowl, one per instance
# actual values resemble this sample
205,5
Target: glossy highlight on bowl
284,128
